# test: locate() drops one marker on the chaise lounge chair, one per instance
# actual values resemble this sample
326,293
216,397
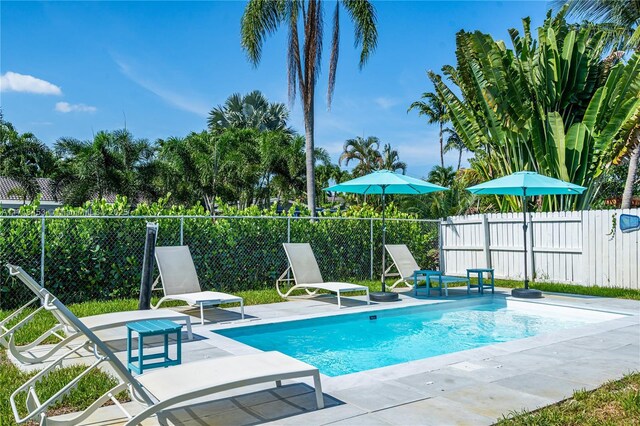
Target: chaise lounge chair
180,281
159,389
94,322
307,276
409,271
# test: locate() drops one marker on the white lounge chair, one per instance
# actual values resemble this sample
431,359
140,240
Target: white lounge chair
95,322
409,271
180,281
404,263
307,276
159,389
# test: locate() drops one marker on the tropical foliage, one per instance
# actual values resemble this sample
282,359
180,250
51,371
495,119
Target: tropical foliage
433,107
622,17
112,163
251,111
248,156
304,53
551,104
454,143
24,158
369,158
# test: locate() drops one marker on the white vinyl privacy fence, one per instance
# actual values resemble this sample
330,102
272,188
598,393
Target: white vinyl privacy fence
585,247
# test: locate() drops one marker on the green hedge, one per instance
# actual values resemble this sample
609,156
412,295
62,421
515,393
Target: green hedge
101,258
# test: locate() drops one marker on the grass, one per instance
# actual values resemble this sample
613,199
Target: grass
615,403
88,389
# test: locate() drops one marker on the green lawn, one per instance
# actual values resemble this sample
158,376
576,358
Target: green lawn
617,394
615,403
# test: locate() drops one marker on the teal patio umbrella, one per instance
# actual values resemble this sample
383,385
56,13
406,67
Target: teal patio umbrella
385,182
525,184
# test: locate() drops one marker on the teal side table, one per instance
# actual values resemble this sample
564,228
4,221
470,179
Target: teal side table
153,328
481,284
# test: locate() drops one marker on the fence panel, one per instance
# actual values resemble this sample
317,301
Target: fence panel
610,257
20,244
584,248
93,258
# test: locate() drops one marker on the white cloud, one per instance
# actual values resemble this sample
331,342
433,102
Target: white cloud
172,98
385,102
14,82
66,107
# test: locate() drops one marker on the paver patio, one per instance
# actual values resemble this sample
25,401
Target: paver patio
472,387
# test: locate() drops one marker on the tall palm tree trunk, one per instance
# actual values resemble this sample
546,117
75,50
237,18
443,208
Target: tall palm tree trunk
627,195
309,149
459,158
441,147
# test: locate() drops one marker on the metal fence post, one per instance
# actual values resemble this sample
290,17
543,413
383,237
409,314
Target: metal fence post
42,241
289,229
181,230
371,248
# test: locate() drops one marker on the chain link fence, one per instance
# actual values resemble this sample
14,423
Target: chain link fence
81,258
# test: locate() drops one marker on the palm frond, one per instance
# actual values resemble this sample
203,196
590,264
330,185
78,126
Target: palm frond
363,15
260,19
335,50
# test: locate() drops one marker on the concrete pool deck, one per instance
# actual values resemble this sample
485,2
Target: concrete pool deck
477,386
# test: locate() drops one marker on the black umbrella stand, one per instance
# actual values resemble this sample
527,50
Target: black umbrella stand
383,296
526,292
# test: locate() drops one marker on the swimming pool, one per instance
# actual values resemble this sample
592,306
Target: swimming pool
349,343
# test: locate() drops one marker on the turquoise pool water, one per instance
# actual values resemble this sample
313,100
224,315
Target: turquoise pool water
351,343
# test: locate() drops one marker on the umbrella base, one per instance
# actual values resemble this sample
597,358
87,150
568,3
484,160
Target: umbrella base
526,293
383,296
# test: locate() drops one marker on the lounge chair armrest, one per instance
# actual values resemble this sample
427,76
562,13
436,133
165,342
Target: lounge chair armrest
6,331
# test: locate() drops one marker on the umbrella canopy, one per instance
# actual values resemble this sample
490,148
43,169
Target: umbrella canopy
385,182
388,182
526,184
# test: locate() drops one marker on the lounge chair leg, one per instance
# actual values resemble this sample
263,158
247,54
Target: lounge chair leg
278,383
339,304
242,309
201,313
318,387
368,298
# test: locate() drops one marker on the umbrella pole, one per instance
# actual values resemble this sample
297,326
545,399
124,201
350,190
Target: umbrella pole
384,238
524,231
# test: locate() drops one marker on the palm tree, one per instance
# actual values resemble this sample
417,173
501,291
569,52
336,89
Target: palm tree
262,18
365,152
24,158
249,111
443,176
391,160
634,162
454,142
109,164
436,112
624,14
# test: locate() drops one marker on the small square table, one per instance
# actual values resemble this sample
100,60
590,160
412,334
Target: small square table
442,280
153,328
481,285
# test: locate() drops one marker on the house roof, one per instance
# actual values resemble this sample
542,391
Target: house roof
8,186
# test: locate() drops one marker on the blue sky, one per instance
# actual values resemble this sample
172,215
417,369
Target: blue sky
74,68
